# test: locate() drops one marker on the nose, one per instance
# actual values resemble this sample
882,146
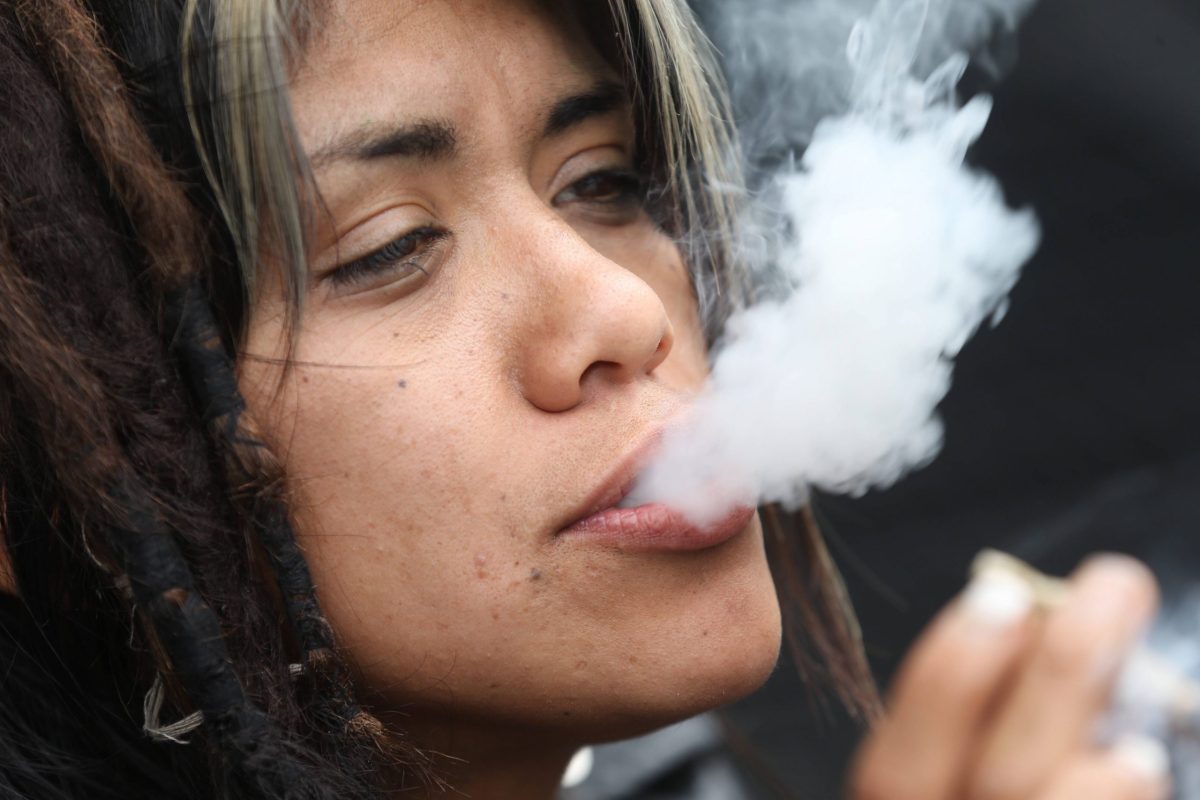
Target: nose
593,323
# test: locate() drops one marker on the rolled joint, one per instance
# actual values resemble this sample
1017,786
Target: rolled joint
1048,592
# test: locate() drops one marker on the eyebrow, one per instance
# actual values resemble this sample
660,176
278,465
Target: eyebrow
429,140
601,99
437,140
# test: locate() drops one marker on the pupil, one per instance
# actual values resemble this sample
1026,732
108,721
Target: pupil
603,187
406,245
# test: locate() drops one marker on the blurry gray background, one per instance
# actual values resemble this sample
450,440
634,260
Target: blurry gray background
1075,425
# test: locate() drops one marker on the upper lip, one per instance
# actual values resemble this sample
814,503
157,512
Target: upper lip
619,481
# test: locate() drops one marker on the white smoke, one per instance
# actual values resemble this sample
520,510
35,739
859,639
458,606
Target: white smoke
787,69
895,253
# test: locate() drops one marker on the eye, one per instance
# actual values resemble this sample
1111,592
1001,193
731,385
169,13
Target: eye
612,192
409,255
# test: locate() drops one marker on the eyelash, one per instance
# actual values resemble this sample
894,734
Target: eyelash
409,250
396,253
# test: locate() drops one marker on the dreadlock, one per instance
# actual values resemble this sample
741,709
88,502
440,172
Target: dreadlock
210,374
113,478
156,204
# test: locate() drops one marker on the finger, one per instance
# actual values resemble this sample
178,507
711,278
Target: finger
1067,679
943,692
1134,769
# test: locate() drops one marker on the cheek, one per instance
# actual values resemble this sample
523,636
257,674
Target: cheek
399,527
687,365
409,485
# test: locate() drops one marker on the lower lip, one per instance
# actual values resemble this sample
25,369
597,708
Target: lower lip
656,528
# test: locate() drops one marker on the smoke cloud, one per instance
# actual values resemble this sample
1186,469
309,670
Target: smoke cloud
884,254
786,59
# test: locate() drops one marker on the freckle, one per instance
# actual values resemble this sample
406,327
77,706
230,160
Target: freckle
504,295
403,384
493,686
346,475
704,633
396,335
580,664
495,614
503,497
566,713
535,574
304,379
633,659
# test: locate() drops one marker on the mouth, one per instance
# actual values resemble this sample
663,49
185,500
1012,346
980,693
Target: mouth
647,528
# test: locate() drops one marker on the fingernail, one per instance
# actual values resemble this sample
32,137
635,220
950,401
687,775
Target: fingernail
1108,583
998,599
1145,755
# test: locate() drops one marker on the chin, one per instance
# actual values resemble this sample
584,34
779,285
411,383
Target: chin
722,653
727,664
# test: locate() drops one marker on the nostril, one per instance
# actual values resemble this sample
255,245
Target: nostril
661,351
612,369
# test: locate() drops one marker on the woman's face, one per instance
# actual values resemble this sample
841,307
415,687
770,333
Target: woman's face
493,329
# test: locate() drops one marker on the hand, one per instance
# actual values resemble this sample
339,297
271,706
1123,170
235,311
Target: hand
997,702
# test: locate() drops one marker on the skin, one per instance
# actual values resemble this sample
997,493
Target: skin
440,429
440,425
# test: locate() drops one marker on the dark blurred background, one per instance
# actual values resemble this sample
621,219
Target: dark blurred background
1075,425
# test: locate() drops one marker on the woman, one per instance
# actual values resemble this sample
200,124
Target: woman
333,334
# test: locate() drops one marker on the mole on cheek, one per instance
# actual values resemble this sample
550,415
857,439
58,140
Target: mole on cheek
402,383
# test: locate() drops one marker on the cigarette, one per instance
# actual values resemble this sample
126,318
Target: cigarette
1157,681
1048,592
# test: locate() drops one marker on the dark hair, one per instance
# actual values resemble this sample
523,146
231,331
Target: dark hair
114,496
145,524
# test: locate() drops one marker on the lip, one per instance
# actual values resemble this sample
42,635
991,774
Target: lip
656,528
619,482
652,527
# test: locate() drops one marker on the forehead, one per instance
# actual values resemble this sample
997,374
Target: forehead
457,60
